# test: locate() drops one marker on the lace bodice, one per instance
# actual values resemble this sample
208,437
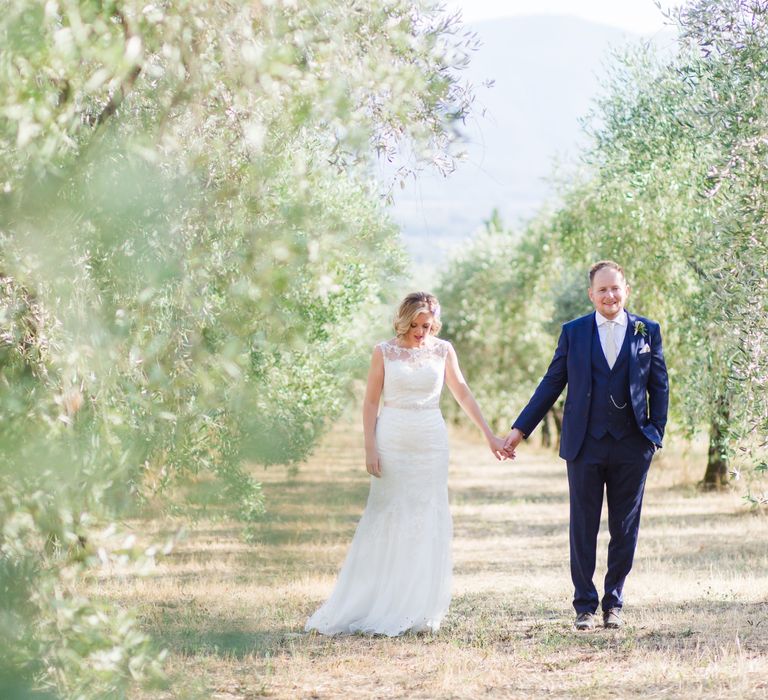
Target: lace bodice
413,377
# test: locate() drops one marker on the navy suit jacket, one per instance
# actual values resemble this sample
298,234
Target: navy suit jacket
572,365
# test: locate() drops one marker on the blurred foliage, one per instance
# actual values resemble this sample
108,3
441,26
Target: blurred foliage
503,292
674,185
190,245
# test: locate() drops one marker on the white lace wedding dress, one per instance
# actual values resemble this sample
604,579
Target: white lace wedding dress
397,574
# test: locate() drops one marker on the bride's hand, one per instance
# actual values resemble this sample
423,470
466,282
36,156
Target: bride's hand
497,447
372,464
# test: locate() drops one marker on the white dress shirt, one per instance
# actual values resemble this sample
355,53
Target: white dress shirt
620,324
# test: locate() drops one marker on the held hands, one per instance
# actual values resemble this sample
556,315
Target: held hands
372,464
512,441
498,447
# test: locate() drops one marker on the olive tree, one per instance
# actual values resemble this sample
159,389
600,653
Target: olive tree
188,227
674,191
672,183
506,295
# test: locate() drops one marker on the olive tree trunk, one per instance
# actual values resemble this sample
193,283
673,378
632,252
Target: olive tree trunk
716,476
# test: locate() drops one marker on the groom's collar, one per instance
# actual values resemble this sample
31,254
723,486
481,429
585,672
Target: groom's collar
621,319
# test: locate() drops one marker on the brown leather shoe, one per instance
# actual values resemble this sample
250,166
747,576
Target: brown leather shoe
612,619
584,621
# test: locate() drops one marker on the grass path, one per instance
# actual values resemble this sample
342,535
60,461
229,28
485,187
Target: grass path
696,603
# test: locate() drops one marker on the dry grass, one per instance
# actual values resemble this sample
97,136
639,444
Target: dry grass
697,602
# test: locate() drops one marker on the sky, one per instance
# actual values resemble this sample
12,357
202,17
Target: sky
637,16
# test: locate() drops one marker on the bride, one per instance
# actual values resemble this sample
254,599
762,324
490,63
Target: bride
397,574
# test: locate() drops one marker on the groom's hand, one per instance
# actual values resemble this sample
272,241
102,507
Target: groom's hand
512,441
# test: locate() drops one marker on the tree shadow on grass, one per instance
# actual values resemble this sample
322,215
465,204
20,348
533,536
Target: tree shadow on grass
521,529
704,519
227,643
482,620
256,642
687,551
709,623
512,497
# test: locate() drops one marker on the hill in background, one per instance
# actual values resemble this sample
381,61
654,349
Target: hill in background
546,73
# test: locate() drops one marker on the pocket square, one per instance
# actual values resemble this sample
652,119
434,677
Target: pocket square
646,348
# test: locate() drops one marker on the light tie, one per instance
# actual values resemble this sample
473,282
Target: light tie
610,344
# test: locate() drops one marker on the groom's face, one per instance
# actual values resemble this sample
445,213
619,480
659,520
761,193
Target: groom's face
609,292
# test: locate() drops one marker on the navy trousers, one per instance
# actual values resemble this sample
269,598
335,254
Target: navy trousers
617,468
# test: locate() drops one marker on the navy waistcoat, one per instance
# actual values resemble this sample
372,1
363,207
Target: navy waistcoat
605,415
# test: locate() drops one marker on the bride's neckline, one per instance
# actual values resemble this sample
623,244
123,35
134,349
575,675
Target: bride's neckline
430,344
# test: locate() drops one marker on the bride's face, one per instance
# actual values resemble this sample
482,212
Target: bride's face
419,331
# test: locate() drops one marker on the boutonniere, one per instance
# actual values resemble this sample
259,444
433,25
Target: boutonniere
640,328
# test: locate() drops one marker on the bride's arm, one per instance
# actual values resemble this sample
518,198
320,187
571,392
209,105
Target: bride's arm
463,395
371,411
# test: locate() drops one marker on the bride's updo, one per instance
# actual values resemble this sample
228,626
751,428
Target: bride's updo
414,304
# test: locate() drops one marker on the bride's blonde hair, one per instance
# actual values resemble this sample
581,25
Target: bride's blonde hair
414,304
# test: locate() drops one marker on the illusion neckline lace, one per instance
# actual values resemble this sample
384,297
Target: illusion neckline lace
427,344
435,347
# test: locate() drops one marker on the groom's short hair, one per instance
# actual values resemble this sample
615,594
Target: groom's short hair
603,264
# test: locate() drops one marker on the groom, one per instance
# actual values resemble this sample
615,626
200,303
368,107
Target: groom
613,422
